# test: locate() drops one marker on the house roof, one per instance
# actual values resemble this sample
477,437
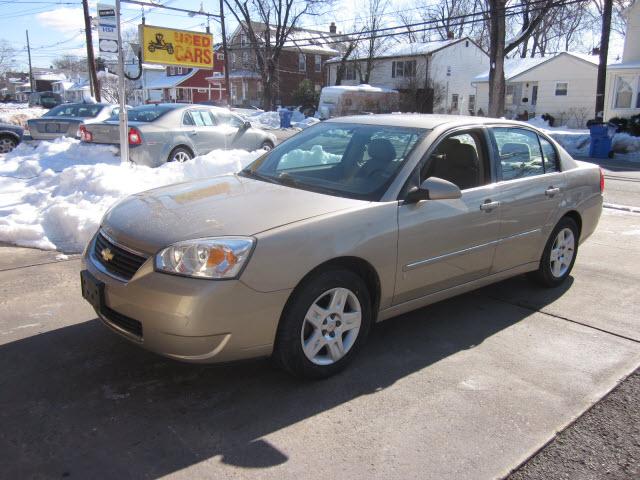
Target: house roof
168,81
408,49
624,66
304,39
517,66
50,76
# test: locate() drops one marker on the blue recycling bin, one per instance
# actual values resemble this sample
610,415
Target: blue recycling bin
285,118
601,140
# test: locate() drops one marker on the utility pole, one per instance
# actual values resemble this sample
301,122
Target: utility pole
604,53
225,53
124,130
91,63
32,85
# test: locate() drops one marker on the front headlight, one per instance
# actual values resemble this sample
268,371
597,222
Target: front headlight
215,258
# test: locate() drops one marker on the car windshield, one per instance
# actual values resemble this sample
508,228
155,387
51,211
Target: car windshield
77,111
349,160
147,113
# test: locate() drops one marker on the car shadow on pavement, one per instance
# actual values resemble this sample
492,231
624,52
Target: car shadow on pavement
82,402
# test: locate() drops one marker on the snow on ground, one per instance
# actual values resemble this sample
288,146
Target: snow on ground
577,141
19,113
271,120
54,196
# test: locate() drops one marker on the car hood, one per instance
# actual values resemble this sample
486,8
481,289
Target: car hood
218,206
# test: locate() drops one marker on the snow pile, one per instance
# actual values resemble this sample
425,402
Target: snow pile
265,120
62,206
307,122
19,113
303,158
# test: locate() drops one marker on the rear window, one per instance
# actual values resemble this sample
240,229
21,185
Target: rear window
75,111
148,113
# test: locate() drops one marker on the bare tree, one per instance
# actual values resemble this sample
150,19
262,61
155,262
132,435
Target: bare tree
7,56
375,41
277,19
500,47
350,47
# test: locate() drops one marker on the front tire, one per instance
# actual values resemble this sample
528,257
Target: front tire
559,254
324,324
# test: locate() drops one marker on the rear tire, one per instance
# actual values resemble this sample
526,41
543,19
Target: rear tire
7,143
180,154
559,255
324,324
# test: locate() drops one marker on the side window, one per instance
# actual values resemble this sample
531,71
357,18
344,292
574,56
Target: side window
207,120
551,163
520,154
197,118
459,159
187,119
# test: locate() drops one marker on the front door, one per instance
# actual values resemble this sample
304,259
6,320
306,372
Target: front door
530,194
444,243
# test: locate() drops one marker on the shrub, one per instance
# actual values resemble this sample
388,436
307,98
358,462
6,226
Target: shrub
550,119
622,124
633,125
305,94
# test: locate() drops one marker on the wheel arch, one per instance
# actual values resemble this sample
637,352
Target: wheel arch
576,217
180,145
9,133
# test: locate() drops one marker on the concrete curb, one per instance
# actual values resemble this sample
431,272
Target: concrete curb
625,208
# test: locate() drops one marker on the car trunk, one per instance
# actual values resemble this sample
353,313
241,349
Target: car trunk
109,131
57,126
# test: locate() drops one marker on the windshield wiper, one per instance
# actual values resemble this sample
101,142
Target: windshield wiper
247,172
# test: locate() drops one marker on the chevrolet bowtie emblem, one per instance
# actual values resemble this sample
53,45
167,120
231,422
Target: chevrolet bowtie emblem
106,254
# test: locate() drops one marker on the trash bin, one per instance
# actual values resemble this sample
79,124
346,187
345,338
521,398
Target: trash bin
601,140
285,118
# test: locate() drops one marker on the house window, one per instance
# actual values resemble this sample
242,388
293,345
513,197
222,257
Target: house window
233,59
448,71
243,39
472,103
302,62
245,58
318,63
454,101
508,94
172,71
402,69
349,71
179,70
561,89
624,93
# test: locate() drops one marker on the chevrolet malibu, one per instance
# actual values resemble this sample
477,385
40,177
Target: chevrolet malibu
350,222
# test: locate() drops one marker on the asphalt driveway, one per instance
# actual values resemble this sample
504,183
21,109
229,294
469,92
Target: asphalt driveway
467,388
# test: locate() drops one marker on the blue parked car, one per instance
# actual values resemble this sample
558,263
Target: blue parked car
10,137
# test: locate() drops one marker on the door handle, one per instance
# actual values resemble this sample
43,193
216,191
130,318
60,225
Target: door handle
551,191
488,205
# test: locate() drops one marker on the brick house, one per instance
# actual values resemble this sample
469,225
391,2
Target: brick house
304,56
188,85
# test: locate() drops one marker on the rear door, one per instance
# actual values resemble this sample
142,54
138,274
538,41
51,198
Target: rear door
444,243
530,192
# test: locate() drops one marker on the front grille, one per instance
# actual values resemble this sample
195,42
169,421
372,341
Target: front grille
115,259
129,324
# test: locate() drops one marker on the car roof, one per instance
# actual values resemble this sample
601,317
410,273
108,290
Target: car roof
423,120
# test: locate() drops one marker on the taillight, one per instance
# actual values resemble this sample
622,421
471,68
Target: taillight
601,180
134,136
84,134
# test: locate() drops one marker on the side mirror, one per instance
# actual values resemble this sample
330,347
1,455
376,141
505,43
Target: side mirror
433,188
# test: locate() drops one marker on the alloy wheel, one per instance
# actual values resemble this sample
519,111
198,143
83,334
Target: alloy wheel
6,145
181,156
331,326
562,252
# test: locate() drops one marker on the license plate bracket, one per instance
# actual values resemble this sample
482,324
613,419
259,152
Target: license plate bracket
92,290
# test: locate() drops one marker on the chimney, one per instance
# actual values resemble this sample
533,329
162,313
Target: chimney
332,28
449,35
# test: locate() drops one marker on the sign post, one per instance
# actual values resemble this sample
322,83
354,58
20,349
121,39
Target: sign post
124,131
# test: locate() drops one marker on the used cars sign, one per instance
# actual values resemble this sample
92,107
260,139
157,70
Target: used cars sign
168,46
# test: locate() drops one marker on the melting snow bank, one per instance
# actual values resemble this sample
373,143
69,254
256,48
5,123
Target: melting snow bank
62,205
577,142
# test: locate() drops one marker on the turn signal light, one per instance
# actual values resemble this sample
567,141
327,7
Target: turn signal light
601,180
134,136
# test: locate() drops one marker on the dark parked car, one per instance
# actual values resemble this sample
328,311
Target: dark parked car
10,137
45,99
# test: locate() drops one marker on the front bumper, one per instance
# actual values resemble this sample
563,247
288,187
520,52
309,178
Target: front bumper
194,320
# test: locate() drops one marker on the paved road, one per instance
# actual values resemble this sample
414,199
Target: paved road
622,181
467,388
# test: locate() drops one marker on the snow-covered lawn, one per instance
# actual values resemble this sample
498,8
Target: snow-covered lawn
19,113
53,196
577,141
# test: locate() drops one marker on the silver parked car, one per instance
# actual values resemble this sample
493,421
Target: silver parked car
350,222
65,120
178,132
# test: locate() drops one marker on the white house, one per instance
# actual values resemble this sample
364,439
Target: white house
622,95
439,72
562,85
